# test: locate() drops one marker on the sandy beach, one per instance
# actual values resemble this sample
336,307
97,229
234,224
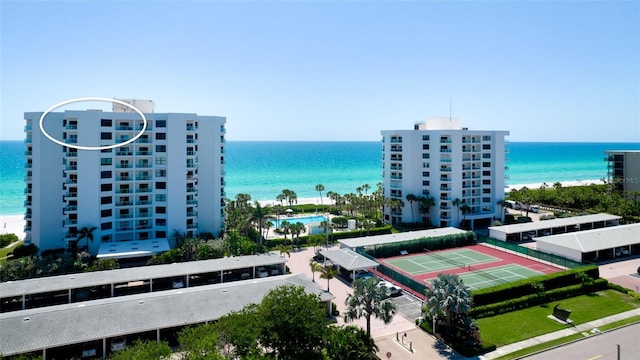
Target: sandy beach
13,224
550,184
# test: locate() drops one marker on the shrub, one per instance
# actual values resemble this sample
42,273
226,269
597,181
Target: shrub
24,250
7,239
420,244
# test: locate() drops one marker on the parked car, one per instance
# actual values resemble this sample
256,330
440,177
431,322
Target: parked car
360,274
118,343
273,270
89,350
392,290
245,275
638,270
177,283
261,272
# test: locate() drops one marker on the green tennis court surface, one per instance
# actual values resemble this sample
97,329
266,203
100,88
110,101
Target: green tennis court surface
432,262
479,279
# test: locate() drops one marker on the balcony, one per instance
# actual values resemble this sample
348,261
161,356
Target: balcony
192,202
143,227
445,141
191,141
71,208
124,216
143,141
124,203
28,165
191,189
192,213
70,222
191,128
144,177
71,140
71,181
445,188
139,127
28,128
71,127
124,128
446,169
123,191
143,190
28,178
192,226
144,153
144,202
71,154
124,166
28,153
28,140
143,165
71,194
124,178
27,203
191,153
444,178
71,167
124,153
445,160
124,228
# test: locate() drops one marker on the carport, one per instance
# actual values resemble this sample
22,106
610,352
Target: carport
592,245
349,260
527,231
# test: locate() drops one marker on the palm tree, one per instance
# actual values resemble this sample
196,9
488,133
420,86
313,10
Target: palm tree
449,295
411,198
456,202
366,188
349,342
85,233
258,217
502,203
328,272
284,250
320,189
281,198
331,195
369,299
285,227
465,209
315,267
426,203
296,229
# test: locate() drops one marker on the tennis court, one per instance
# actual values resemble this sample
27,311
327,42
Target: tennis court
442,260
479,279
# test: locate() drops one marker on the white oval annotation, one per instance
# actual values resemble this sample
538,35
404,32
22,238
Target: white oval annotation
93,148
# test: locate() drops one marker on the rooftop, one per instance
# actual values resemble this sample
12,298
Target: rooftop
596,239
35,329
399,237
349,259
553,223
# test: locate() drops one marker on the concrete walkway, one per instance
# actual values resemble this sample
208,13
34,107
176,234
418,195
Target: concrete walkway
582,328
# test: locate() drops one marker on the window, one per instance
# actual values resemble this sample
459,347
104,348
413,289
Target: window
486,146
106,200
106,161
486,164
161,148
161,123
161,136
486,191
425,137
106,136
425,146
486,182
106,187
425,183
161,210
106,213
161,197
425,173
486,138
486,173
105,122
425,155
161,234
161,173
486,156
161,160
106,226
161,222
104,151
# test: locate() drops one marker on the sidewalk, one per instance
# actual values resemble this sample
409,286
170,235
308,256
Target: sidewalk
582,328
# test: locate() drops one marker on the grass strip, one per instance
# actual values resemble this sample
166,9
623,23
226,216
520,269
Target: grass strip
564,340
6,250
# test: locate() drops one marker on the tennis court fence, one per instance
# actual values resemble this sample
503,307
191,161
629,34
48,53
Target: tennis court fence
555,259
401,278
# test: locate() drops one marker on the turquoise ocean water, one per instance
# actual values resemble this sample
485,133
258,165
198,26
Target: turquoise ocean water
264,169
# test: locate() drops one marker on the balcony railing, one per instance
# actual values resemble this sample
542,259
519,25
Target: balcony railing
124,203
143,165
124,153
192,226
124,216
71,194
124,128
192,202
71,140
69,222
143,190
192,213
124,178
123,191
144,153
190,189
124,166
144,177
145,202
28,165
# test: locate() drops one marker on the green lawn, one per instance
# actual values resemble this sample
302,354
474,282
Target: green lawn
6,250
524,324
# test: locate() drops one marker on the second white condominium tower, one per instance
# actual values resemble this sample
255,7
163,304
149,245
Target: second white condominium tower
462,170
135,196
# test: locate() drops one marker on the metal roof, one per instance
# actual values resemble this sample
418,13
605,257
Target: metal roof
83,280
348,259
596,239
35,329
553,223
398,237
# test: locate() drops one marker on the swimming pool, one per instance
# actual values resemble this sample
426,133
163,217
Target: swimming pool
304,220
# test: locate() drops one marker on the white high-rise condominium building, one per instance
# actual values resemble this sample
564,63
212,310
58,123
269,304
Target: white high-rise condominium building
462,170
136,196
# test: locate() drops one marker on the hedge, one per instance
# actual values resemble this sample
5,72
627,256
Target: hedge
419,245
517,289
530,300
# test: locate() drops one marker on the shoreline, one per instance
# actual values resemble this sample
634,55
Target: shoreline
15,223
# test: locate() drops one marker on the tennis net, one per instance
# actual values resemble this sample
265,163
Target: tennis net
486,274
446,259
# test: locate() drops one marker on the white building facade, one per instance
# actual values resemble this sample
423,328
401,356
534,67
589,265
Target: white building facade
462,170
137,195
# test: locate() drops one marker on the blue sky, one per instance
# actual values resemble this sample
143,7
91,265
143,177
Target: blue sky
545,71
